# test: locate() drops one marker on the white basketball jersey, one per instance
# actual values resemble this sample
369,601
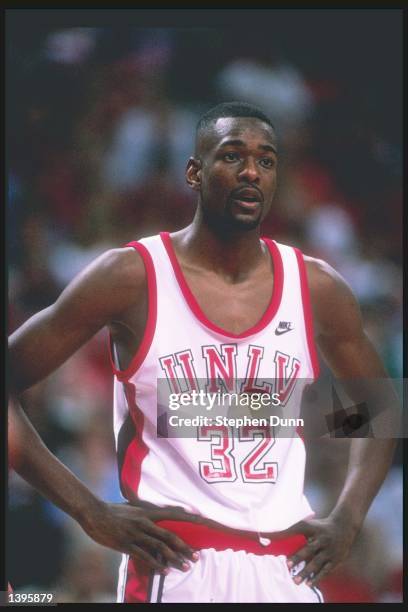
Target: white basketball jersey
253,480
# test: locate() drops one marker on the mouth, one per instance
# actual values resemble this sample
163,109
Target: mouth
248,205
247,199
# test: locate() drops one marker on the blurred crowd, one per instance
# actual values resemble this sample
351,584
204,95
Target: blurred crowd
100,125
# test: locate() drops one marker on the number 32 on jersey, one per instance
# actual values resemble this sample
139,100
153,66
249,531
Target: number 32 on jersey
222,466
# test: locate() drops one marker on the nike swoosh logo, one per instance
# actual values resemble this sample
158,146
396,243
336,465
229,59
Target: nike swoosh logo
279,332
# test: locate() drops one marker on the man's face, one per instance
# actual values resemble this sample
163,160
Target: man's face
236,176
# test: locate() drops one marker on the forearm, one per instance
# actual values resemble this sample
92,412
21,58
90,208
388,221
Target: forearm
370,460
122,527
39,467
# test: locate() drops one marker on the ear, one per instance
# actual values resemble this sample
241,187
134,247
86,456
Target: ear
193,173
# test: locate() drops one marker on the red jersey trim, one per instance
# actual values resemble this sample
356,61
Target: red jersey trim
195,307
137,450
148,335
307,313
203,536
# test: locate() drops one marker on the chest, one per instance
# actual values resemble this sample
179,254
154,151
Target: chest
235,307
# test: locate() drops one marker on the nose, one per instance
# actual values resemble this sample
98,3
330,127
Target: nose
249,171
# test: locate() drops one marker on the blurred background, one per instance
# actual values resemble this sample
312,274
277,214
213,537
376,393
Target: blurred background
100,123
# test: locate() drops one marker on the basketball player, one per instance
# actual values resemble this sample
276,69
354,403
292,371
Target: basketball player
213,518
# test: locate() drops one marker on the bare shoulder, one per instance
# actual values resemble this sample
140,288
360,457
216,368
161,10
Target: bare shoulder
334,304
324,281
108,286
122,267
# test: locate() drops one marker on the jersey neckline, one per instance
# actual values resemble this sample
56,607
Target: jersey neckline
194,306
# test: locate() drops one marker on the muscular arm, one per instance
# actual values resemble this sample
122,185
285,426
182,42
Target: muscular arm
103,292
122,527
351,357
30,458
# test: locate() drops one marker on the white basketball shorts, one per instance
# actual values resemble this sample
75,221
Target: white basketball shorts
232,568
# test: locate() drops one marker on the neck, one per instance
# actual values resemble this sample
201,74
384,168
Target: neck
232,253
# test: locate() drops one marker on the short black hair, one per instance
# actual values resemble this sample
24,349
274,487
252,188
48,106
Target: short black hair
231,109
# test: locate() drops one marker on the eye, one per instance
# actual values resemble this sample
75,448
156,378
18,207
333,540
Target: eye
267,162
231,156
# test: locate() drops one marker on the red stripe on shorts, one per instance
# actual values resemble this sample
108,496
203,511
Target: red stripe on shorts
138,583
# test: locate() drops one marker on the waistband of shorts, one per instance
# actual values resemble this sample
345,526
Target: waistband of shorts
200,536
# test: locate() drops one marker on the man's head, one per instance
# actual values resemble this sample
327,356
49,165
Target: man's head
234,167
